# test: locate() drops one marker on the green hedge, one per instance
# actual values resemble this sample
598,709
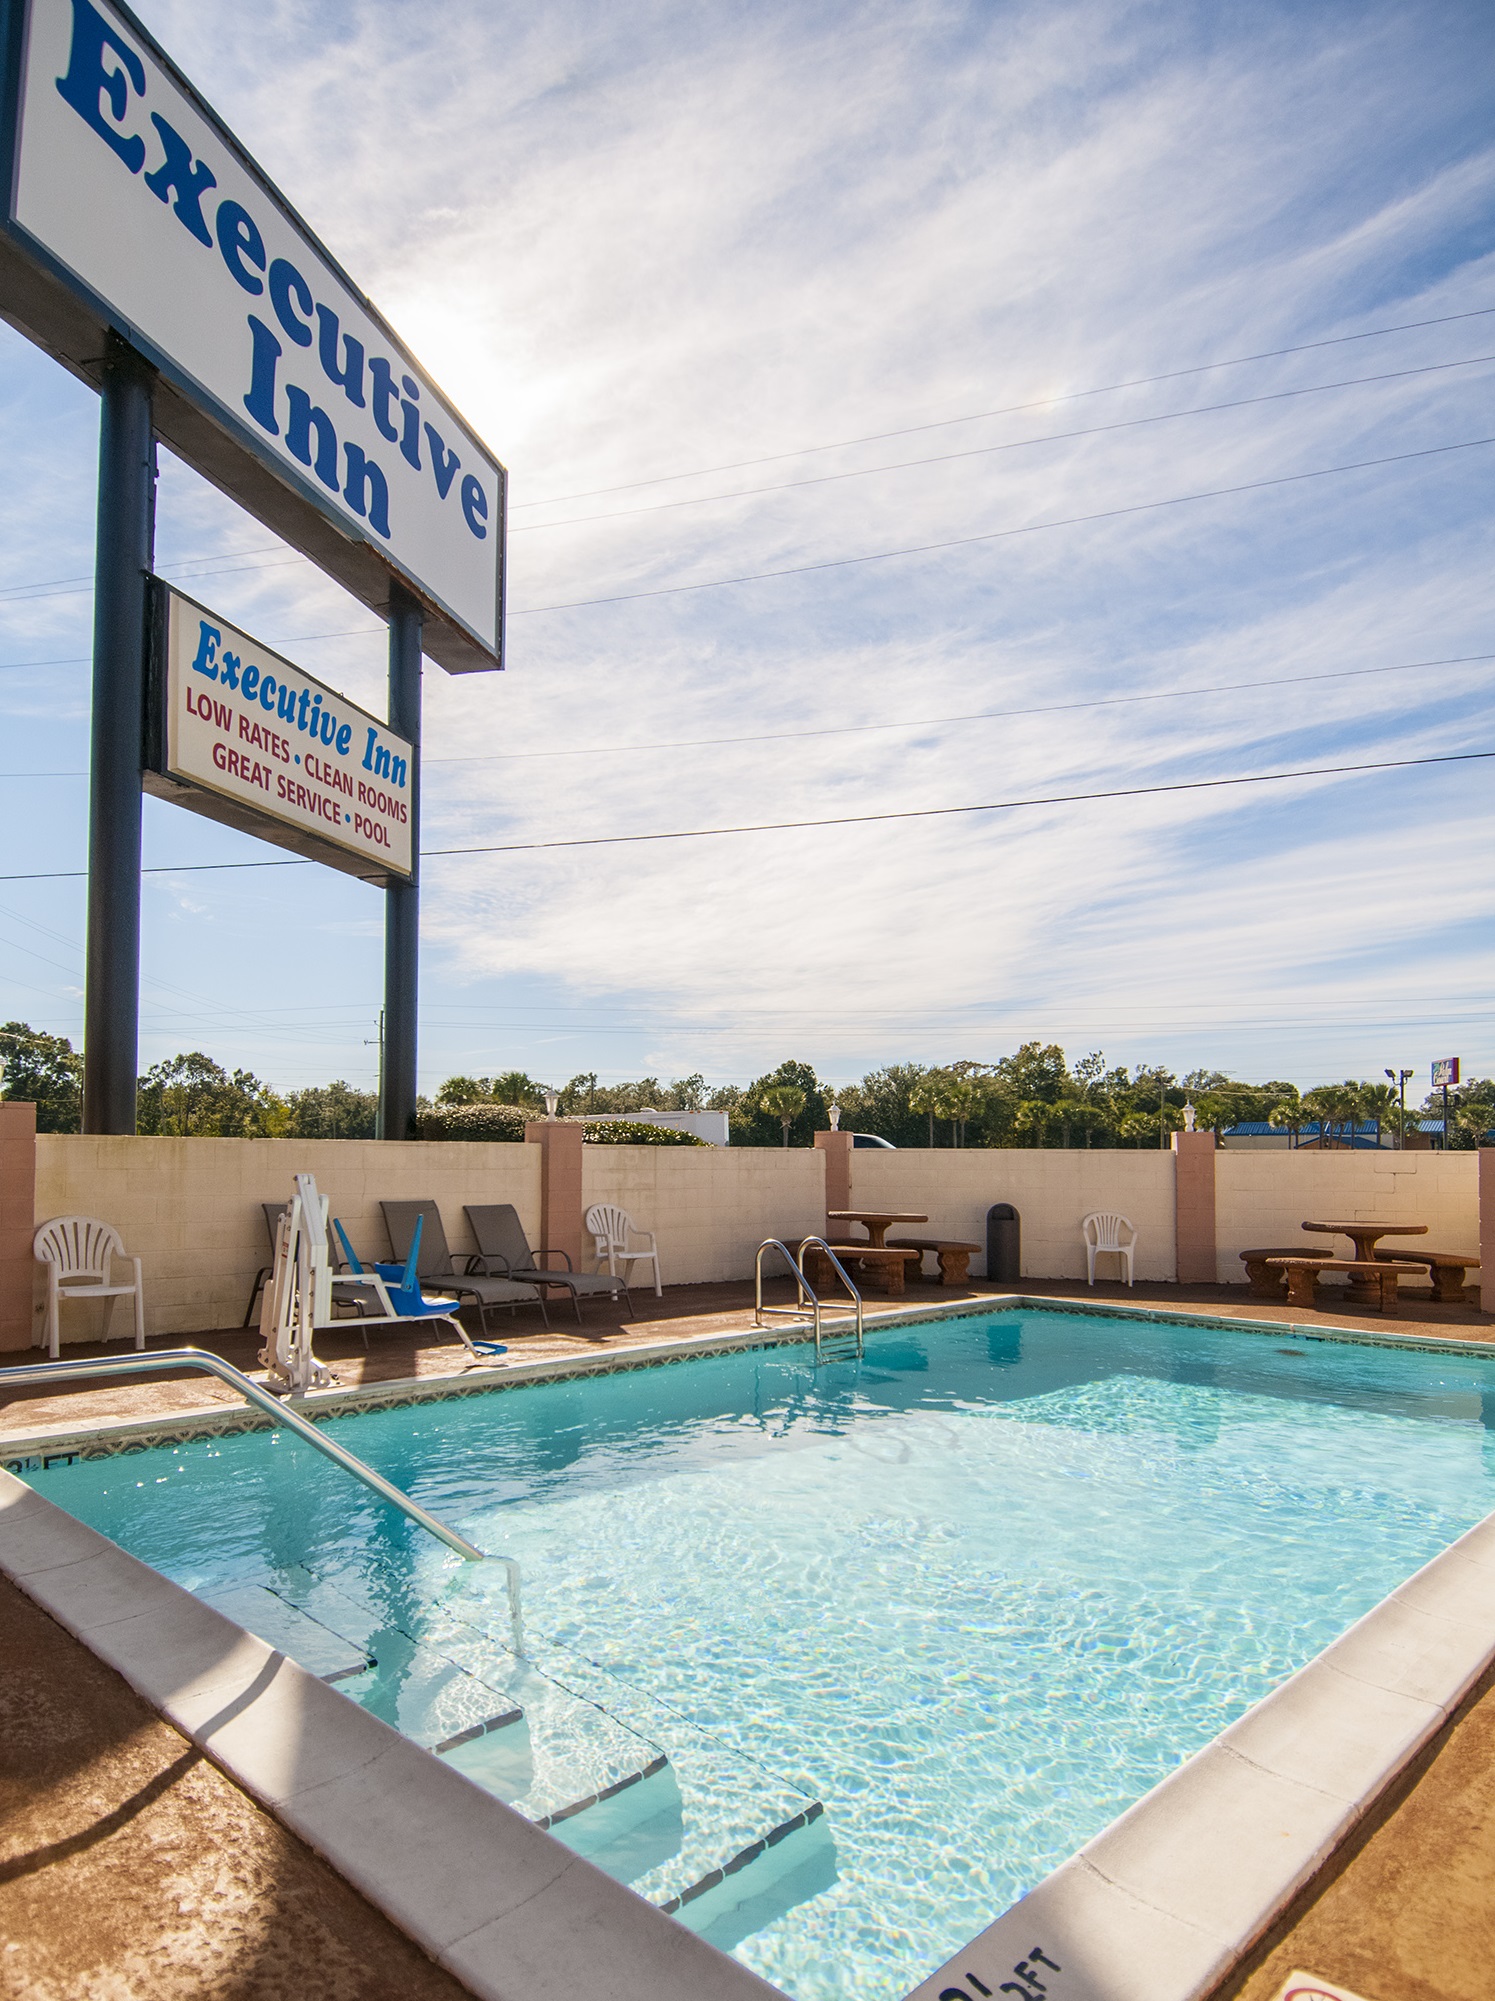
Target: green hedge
635,1132
507,1122
501,1122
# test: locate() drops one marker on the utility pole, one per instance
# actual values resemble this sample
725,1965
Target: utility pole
379,1102
1399,1078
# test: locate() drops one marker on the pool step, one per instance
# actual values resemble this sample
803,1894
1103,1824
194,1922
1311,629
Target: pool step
702,1832
543,1749
750,1842
791,1864
293,1632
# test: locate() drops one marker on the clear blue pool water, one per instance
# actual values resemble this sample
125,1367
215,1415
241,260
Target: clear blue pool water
974,1595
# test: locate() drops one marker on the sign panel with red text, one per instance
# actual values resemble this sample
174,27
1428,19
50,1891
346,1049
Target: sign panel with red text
243,736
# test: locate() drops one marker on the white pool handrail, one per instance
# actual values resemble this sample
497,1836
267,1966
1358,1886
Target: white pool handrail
214,1365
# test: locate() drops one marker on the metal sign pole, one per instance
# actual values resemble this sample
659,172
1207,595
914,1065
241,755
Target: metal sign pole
126,534
402,899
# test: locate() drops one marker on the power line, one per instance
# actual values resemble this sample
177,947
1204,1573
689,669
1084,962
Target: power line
922,722
935,722
294,639
1009,445
224,566
837,820
1010,409
1002,534
946,812
81,586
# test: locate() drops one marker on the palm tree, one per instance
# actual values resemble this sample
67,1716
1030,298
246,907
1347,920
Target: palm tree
1378,1102
1334,1105
1287,1117
926,1096
784,1102
955,1101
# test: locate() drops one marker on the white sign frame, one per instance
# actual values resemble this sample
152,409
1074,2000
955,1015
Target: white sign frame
243,736
131,207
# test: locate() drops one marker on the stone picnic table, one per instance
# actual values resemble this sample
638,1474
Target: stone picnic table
885,1267
876,1222
1365,1236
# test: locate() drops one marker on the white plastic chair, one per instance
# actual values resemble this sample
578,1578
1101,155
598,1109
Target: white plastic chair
79,1253
1107,1232
617,1241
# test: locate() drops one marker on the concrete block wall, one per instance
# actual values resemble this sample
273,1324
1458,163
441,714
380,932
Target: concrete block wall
1052,1191
710,1207
190,1207
1261,1200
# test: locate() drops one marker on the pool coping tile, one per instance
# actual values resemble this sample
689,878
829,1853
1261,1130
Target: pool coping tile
1099,1942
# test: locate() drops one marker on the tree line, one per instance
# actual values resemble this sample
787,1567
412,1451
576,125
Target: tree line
1034,1097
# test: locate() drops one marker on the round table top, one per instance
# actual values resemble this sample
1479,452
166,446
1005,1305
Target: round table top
1368,1229
876,1216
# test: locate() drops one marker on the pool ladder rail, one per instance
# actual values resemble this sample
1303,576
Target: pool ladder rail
830,1347
166,1359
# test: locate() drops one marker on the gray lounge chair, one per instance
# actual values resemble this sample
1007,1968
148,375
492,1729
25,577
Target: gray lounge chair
437,1264
503,1247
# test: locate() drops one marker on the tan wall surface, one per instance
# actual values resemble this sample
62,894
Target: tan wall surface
710,1207
190,1207
1263,1201
1051,1189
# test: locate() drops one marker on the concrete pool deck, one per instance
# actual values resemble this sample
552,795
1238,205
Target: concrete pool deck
1399,1908
130,1865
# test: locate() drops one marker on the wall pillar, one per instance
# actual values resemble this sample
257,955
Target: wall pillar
1194,1207
560,1187
17,1222
1486,1229
837,1148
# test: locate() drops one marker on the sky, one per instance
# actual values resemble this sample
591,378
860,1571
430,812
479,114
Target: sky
776,294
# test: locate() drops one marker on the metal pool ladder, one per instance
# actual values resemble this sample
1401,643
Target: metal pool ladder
832,1347
166,1359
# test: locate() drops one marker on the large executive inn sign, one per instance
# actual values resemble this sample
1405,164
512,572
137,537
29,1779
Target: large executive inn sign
144,249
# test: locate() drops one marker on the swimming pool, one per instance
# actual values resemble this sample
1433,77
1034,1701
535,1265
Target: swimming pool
903,1634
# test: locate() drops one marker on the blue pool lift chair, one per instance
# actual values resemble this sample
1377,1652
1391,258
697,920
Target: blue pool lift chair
396,1289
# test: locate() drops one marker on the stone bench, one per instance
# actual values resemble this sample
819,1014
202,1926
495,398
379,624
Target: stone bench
954,1257
878,1265
1378,1274
1447,1269
1265,1282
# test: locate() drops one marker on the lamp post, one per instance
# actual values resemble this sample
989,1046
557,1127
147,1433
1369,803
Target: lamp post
552,1099
835,1115
1399,1078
